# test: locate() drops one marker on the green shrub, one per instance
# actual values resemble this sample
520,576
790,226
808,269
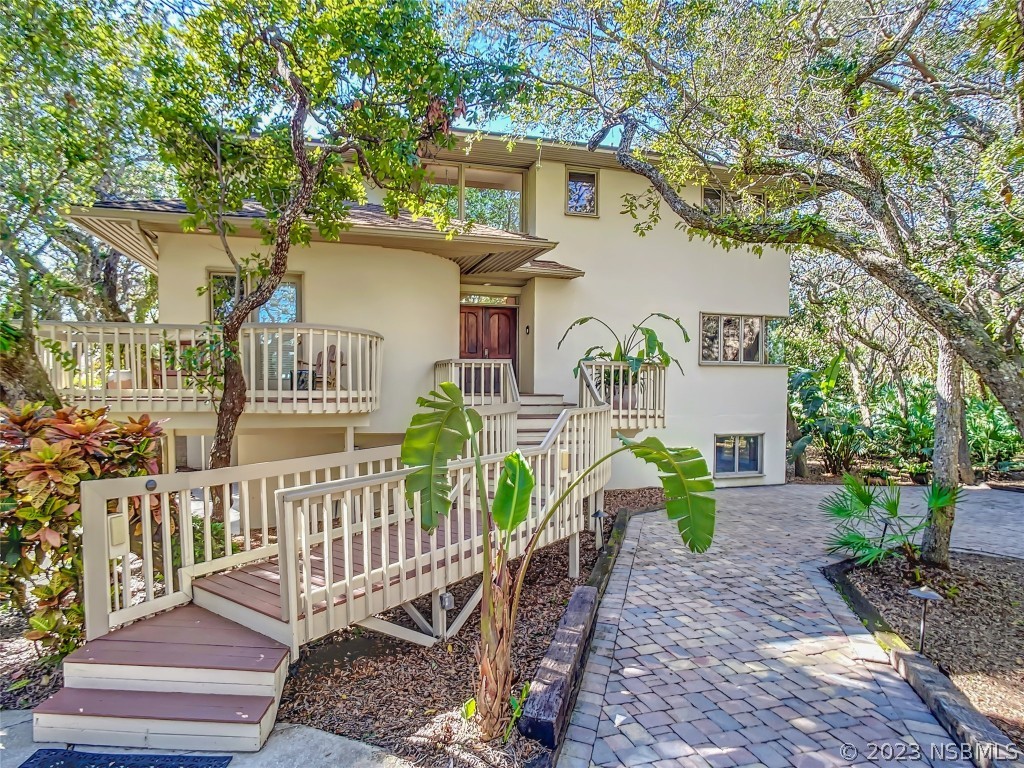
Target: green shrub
906,440
46,455
991,433
869,524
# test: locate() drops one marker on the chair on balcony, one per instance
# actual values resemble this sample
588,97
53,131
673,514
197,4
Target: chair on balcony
320,370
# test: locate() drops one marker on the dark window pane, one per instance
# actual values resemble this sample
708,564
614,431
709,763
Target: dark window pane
713,201
582,193
749,453
725,454
709,342
774,351
751,339
730,339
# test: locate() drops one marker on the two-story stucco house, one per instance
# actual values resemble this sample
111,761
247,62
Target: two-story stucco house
200,586
362,326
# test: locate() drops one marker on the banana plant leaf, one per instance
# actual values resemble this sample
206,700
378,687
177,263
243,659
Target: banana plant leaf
436,436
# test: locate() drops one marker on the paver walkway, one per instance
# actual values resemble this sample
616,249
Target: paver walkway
746,655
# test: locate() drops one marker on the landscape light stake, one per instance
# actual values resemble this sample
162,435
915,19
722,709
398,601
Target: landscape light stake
926,596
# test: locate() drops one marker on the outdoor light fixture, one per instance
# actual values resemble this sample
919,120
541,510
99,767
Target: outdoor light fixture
926,596
598,515
447,601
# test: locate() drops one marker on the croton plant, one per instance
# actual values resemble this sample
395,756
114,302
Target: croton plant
45,455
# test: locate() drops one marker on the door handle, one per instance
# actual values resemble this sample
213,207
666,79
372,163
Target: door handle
487,352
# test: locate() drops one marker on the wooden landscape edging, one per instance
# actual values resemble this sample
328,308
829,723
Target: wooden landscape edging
557,680
990,747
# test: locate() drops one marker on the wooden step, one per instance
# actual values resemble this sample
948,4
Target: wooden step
184,650
158,720
540,399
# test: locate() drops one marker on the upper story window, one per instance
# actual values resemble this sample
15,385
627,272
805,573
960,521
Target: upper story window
713,201
750,339
581,193
283,306
489,196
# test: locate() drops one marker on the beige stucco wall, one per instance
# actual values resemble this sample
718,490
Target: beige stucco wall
627,277
410,298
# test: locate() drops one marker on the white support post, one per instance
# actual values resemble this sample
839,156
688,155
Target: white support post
574,556
438,615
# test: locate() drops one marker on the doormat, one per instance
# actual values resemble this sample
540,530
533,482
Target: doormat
67,758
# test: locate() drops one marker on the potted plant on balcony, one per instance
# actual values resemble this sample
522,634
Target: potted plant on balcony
641,346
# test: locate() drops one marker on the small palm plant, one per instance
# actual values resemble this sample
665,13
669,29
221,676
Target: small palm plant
439,434
870,525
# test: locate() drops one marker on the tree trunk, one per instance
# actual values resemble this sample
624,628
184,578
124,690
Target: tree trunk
793,435
859,391
23,378
964,452
232,401
231,405
946,456
495,656
21,375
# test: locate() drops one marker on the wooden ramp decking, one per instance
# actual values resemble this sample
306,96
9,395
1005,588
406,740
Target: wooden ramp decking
209,675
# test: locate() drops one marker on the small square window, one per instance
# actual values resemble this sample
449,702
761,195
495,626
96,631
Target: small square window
581,193
738,454
712,201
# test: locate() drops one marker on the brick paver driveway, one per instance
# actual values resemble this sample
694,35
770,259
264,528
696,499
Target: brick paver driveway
746,655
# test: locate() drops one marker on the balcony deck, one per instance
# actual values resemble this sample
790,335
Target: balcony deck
154,368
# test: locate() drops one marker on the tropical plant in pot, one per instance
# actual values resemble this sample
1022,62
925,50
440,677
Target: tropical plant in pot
439,434
640,346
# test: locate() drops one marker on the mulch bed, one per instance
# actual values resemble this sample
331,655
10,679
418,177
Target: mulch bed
975,635
407,699
20,662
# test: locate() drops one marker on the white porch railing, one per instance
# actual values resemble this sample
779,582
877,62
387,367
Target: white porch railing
208,521
483,382
637,400
145,539
288,368
385,558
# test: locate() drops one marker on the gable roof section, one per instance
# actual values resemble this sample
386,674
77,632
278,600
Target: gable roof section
134,228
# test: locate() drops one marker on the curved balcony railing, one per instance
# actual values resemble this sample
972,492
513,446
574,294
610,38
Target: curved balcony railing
288,367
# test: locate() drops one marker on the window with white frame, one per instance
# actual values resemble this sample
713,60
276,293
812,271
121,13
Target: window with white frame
741,339
739,454
581,193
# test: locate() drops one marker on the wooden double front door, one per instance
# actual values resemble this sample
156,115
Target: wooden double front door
487,333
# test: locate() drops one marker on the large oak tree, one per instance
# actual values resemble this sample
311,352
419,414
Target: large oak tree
886,133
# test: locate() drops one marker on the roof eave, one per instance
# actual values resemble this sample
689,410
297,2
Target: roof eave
124,230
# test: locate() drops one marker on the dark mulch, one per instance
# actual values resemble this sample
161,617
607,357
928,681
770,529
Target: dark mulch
975,635
24,681
406,699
